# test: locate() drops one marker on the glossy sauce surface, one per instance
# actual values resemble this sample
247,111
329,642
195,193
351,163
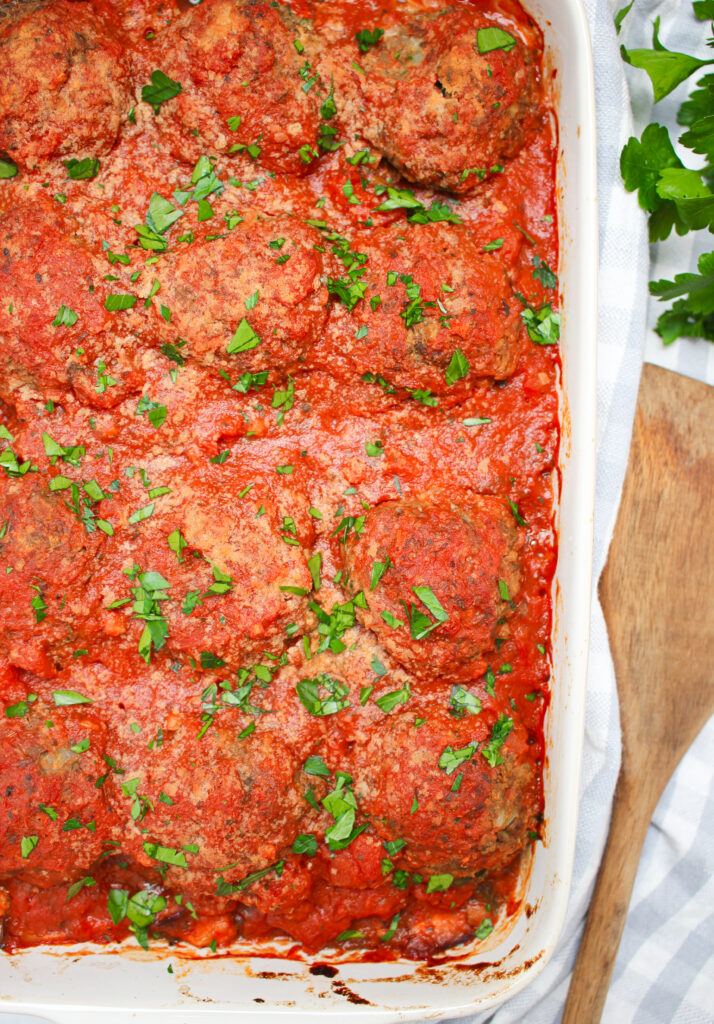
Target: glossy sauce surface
276,537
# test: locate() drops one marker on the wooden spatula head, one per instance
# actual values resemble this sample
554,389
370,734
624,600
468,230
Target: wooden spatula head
657,589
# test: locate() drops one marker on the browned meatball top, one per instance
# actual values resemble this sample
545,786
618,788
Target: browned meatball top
50,760
432,296
243,87
438,578
226,804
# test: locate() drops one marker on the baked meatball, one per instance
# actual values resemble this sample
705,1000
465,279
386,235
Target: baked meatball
407,795
468,557
45,600
443,106
65,83
223,595
438,292
213,288
50,759
244,84
239,801
52,321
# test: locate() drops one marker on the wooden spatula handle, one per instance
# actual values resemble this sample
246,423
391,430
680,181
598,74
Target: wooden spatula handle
608,910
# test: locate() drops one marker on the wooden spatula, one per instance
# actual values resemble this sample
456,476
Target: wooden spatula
657,592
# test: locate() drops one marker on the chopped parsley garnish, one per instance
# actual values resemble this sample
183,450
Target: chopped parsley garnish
66,698
140,910
27,845
306,844
367,38
452,759
419,625
501,729
148,594
341,803
484,929
439,883
404,198
457,368
314,765
488,39
82,170
543,325
309,690
543,273
65,317
244,339
115,302
8,168
378,571
389,701
463,702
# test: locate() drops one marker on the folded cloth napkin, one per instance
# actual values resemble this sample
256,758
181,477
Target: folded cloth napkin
665,969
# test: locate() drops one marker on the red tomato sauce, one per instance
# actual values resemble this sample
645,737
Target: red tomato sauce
279,403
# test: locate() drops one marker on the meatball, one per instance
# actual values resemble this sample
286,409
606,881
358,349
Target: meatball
241,308
50,759
52,323
225,570
225,54
438,292
225,804
444,107
45,598
451,571
399,783
65,84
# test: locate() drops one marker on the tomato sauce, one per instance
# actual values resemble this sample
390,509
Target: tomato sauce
279,401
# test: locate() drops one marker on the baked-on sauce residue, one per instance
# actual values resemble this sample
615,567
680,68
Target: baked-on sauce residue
278,385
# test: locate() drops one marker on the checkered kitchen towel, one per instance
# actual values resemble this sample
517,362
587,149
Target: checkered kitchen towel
665,969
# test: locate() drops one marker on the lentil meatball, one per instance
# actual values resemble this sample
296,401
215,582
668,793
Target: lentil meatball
65,83
210,289
48,772
53,324
239,800
468,556
45,598
444,107
438,292
242,83
407,795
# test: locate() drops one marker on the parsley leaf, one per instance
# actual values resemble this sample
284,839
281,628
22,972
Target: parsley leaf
693,314
457,368
666,68
81,170
8,168
404,199
500,732
308,690
366,39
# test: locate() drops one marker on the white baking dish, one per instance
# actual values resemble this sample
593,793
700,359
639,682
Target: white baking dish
82,984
